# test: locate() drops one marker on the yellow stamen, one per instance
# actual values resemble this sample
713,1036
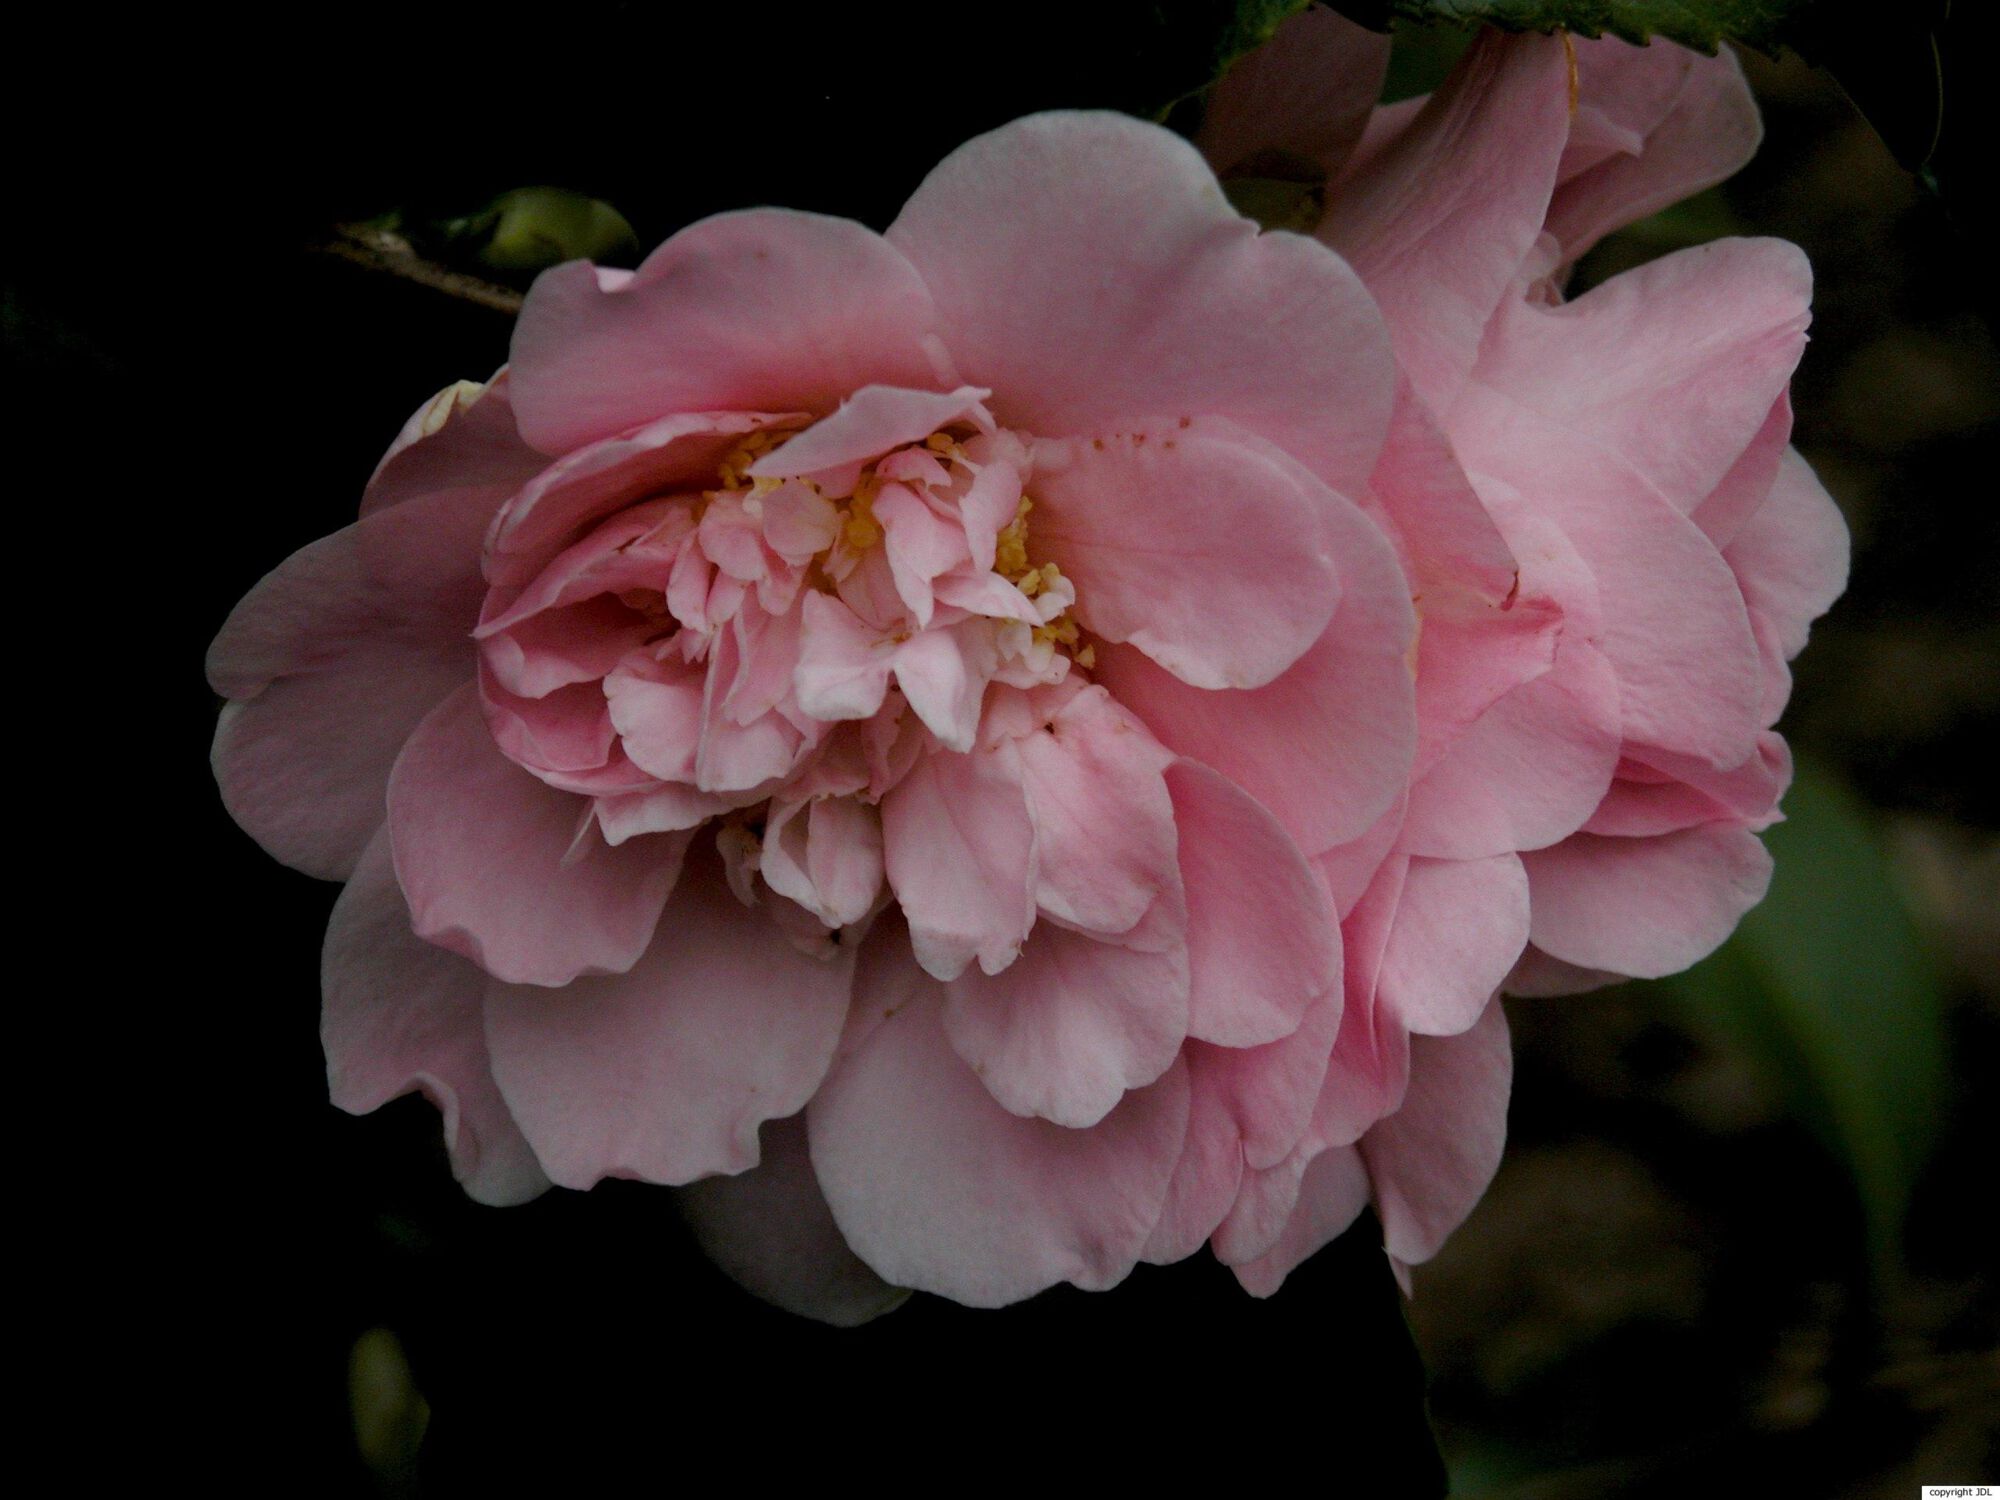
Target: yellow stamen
861,530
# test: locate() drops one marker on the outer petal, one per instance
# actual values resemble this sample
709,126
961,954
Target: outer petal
1791,556
480,850
1539,976
332,659
462,441
939,1188
769,1228
1331,1196
766,309
1645,907
1087,268
1263,937
1305,93
1270,1092
1459,927
1674,624
664,1073
1432,1159
403,1014
1205,1178
1709,131
960,852
1327,745
1674,366
1201,552
1531,768
1440,220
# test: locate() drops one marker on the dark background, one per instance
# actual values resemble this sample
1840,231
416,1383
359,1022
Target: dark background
1669,1284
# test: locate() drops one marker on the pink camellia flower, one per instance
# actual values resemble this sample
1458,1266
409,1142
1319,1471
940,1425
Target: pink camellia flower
1613,551
1030,742
759,707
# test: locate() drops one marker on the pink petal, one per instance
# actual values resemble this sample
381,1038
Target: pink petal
1742,491
1791,555
1305,93
1673,621
1431,1160
674,453
765,309
666,809
656,707
1269,1093
1088,270
1075,1022
1459,926
770,1230
1529,770
798,523
920,545
1201,552
1460,562
937,1187
993,498
462,441
557,647
868,424
403,1014
944,675
960,852
1349,868
1645,907
1330,1198
1692,792
480,846
1263,937
1104,822
303,767
1710,130
1370,1066
1440,220
1673,366
332,659
843,670
1204,1182
826,855
1327,745
664,1073
1539,976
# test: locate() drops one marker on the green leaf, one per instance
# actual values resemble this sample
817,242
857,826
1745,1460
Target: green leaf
1828,989
529,229
1705,24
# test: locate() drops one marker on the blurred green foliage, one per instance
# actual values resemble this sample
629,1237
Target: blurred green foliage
1827,988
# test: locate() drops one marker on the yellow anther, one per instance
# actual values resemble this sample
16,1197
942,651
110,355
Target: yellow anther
1087,657
734,468
861,530
1030,582
940,442
1010,548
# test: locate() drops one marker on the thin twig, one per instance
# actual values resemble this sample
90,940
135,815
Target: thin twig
376,249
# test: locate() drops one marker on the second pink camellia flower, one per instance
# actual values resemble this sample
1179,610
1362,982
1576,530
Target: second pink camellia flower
978,748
